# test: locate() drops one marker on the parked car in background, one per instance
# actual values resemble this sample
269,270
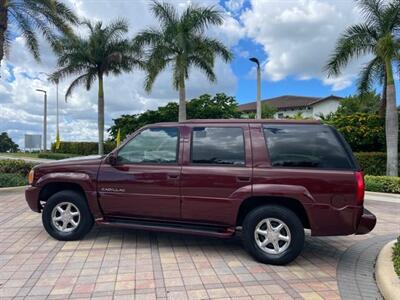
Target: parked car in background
270,179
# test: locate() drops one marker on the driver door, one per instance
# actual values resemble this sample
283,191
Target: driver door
144,183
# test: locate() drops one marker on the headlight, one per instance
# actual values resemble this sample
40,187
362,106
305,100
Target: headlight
31,176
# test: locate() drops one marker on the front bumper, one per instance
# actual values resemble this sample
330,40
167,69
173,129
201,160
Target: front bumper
367,222
32,198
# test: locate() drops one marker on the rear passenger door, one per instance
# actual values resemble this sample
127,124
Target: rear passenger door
216,172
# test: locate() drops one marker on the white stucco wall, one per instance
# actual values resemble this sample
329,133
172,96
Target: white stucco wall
324,107
307,113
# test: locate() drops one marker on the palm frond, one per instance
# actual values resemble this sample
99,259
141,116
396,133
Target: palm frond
116,29
204,66
197,19
165,12
147,37
215,47
372,72
356,41
372,11
391,17
27,32
82,79
49,17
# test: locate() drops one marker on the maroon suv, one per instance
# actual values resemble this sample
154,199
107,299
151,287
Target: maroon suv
271,179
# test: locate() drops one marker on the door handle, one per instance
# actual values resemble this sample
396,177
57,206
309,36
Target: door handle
173,176
243,178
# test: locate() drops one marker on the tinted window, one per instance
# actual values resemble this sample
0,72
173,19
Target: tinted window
218,145
308,146
154,145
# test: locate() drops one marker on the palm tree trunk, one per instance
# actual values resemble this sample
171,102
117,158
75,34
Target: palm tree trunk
182,101
382,106
3,27
100,116
391,123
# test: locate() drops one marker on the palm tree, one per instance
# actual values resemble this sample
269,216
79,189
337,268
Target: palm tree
378,36
28,17
181,43
105,51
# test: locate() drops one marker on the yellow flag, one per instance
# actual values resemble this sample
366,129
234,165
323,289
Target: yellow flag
119,137
58,142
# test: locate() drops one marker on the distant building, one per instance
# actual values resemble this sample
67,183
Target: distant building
288,106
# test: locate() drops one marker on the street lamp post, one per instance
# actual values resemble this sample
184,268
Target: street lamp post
44,119
57,120
258,103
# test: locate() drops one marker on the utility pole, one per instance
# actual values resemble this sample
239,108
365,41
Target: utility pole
258,102
44,119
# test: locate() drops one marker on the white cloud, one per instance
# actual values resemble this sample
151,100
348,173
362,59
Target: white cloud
21,107
298,37
234,6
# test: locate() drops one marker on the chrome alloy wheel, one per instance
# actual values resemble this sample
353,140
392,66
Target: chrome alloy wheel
65,217
272,236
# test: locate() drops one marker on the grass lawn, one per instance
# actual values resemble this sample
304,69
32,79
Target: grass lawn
21,154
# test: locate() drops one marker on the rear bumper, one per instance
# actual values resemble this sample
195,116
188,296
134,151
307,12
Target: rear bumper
367,222
32,198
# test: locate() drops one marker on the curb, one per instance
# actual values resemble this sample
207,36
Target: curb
386,278
13,189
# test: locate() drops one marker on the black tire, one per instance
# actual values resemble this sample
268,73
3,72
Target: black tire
292,221
85,218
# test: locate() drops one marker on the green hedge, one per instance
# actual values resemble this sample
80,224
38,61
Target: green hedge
12,179
82,148
364,132
382,184
57,156
15,166
396,256
372,163
14,172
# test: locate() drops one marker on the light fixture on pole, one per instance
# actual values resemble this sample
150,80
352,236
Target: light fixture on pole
44,119
258,102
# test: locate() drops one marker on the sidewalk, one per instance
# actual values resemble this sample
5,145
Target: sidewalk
386,197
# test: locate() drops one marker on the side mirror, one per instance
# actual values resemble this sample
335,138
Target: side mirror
112,159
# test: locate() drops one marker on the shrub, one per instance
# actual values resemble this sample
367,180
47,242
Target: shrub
57,156
364,132
396,256
10,180
82,148
16,166
372,163
382,184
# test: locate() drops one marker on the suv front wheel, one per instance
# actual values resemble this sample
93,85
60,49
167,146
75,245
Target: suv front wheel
273,234
66,216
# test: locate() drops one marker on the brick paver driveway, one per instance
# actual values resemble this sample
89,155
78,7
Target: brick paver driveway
136,264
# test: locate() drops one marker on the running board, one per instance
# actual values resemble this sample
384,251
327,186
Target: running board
174,227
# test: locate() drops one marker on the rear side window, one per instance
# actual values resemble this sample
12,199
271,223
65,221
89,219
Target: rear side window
218,146
305,146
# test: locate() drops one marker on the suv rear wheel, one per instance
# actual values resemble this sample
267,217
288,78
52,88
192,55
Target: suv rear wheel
273,234
66,216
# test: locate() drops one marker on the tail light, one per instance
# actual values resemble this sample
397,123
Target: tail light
360,188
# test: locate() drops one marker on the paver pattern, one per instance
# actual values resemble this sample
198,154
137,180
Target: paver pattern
128,264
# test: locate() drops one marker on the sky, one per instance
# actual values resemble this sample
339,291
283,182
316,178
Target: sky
292,39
